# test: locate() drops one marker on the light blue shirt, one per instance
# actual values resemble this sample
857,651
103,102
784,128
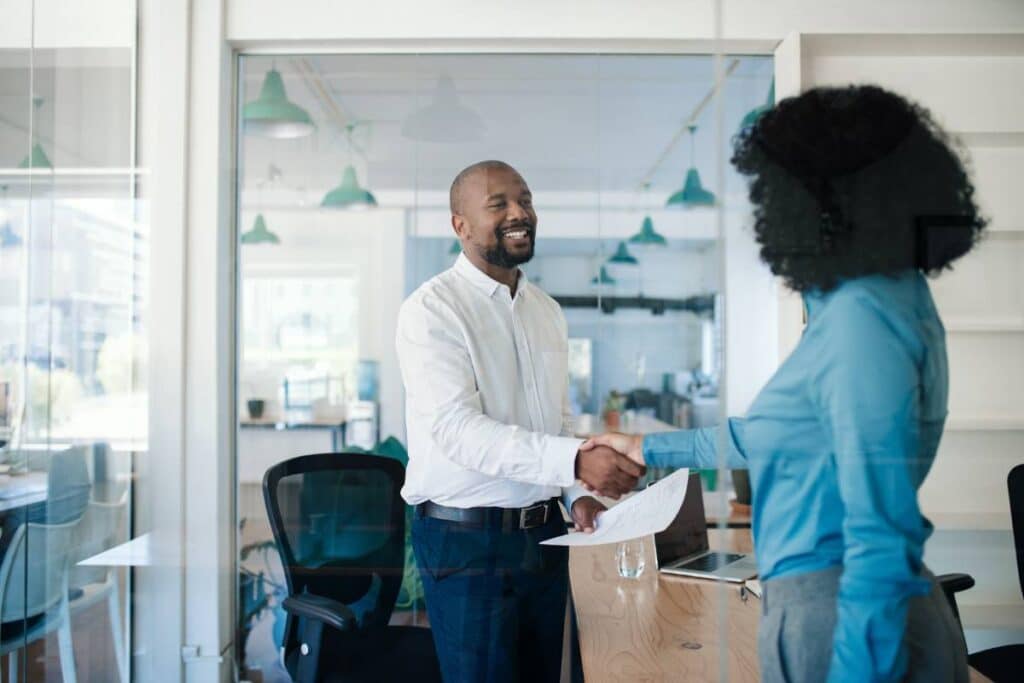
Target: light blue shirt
837,444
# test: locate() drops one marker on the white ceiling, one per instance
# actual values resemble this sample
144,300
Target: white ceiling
581,123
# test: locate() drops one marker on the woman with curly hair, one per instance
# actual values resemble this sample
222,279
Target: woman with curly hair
858,195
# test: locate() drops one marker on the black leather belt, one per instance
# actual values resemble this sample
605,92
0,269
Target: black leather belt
529,517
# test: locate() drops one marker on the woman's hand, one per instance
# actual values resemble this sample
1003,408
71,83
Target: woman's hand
630,445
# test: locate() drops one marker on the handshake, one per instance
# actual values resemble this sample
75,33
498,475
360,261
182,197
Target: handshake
610,464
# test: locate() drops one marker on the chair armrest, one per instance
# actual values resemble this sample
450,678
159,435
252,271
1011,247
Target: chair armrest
954,583
319,608
951,584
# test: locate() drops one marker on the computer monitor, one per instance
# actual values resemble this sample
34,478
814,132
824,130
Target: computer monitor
687,535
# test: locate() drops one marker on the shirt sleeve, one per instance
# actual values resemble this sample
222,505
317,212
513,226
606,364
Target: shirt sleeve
865,384
441,391
697,448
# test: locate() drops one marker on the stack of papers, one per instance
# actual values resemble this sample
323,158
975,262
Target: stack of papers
642,514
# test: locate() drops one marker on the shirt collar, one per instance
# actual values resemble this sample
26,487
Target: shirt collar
482,280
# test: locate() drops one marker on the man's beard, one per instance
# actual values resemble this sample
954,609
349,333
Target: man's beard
500,256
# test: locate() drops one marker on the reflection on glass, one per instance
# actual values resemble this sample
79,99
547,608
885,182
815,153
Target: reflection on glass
73,394
603,142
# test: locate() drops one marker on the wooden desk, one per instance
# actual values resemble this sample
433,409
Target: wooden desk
662,628
649,629
22,490
337,428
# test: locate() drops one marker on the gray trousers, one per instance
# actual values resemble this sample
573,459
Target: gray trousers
799,618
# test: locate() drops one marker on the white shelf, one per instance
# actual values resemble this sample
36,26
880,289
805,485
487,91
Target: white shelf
979,424
965,325
74,172
990,616
969,521
991,139
914,45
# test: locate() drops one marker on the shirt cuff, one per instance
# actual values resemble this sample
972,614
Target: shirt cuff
663,449
570,494
558,466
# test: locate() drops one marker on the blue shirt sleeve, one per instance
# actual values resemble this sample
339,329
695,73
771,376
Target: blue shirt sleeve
697,448
865,384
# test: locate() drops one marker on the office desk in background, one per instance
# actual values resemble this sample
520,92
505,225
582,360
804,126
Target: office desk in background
665,628
22,490
588,425
335,427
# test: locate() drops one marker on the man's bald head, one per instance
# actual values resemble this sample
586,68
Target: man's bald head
466,175
493,217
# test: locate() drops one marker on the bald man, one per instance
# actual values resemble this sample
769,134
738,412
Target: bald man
484,358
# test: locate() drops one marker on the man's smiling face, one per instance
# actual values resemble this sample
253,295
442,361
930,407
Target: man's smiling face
497,218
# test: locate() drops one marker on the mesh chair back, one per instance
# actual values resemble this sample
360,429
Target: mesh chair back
339,525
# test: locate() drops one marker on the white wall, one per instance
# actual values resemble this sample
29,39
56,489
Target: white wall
451,21
67,24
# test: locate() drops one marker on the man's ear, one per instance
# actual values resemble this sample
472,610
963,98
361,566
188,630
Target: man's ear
459,225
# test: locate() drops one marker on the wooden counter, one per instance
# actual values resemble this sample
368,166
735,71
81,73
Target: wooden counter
659,627
665,628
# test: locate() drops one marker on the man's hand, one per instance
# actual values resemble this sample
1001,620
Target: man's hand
630,445
585,512
606,471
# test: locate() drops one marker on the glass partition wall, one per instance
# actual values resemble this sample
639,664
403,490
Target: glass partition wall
345,164
73,400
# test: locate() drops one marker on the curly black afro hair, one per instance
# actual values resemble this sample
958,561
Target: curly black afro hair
855,181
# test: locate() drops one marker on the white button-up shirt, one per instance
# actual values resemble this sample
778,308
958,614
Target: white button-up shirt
486,393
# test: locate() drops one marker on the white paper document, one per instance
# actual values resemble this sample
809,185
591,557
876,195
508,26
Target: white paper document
642,514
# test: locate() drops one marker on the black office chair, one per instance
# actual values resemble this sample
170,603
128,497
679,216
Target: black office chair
339,524
1006,662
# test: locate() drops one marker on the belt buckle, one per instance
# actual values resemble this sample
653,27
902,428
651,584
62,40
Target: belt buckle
533,516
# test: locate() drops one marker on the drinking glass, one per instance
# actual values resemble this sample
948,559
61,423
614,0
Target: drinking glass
629,558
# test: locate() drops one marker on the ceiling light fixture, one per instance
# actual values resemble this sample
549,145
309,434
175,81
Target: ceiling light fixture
348,193
622,255
37,155
445,118
273,115
648,235
755,113
259,233
693,192
602,278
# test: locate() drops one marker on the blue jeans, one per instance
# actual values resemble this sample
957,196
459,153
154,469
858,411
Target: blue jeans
495,599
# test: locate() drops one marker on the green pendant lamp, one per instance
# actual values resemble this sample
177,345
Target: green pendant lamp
36,158
259,233
622,256
273,115
693,192
602,278
456,248
349,193
753,114
647,234
37,155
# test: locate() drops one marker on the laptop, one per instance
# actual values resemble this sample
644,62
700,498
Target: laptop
683,548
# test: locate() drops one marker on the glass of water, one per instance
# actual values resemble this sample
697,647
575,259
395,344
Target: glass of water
629,558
